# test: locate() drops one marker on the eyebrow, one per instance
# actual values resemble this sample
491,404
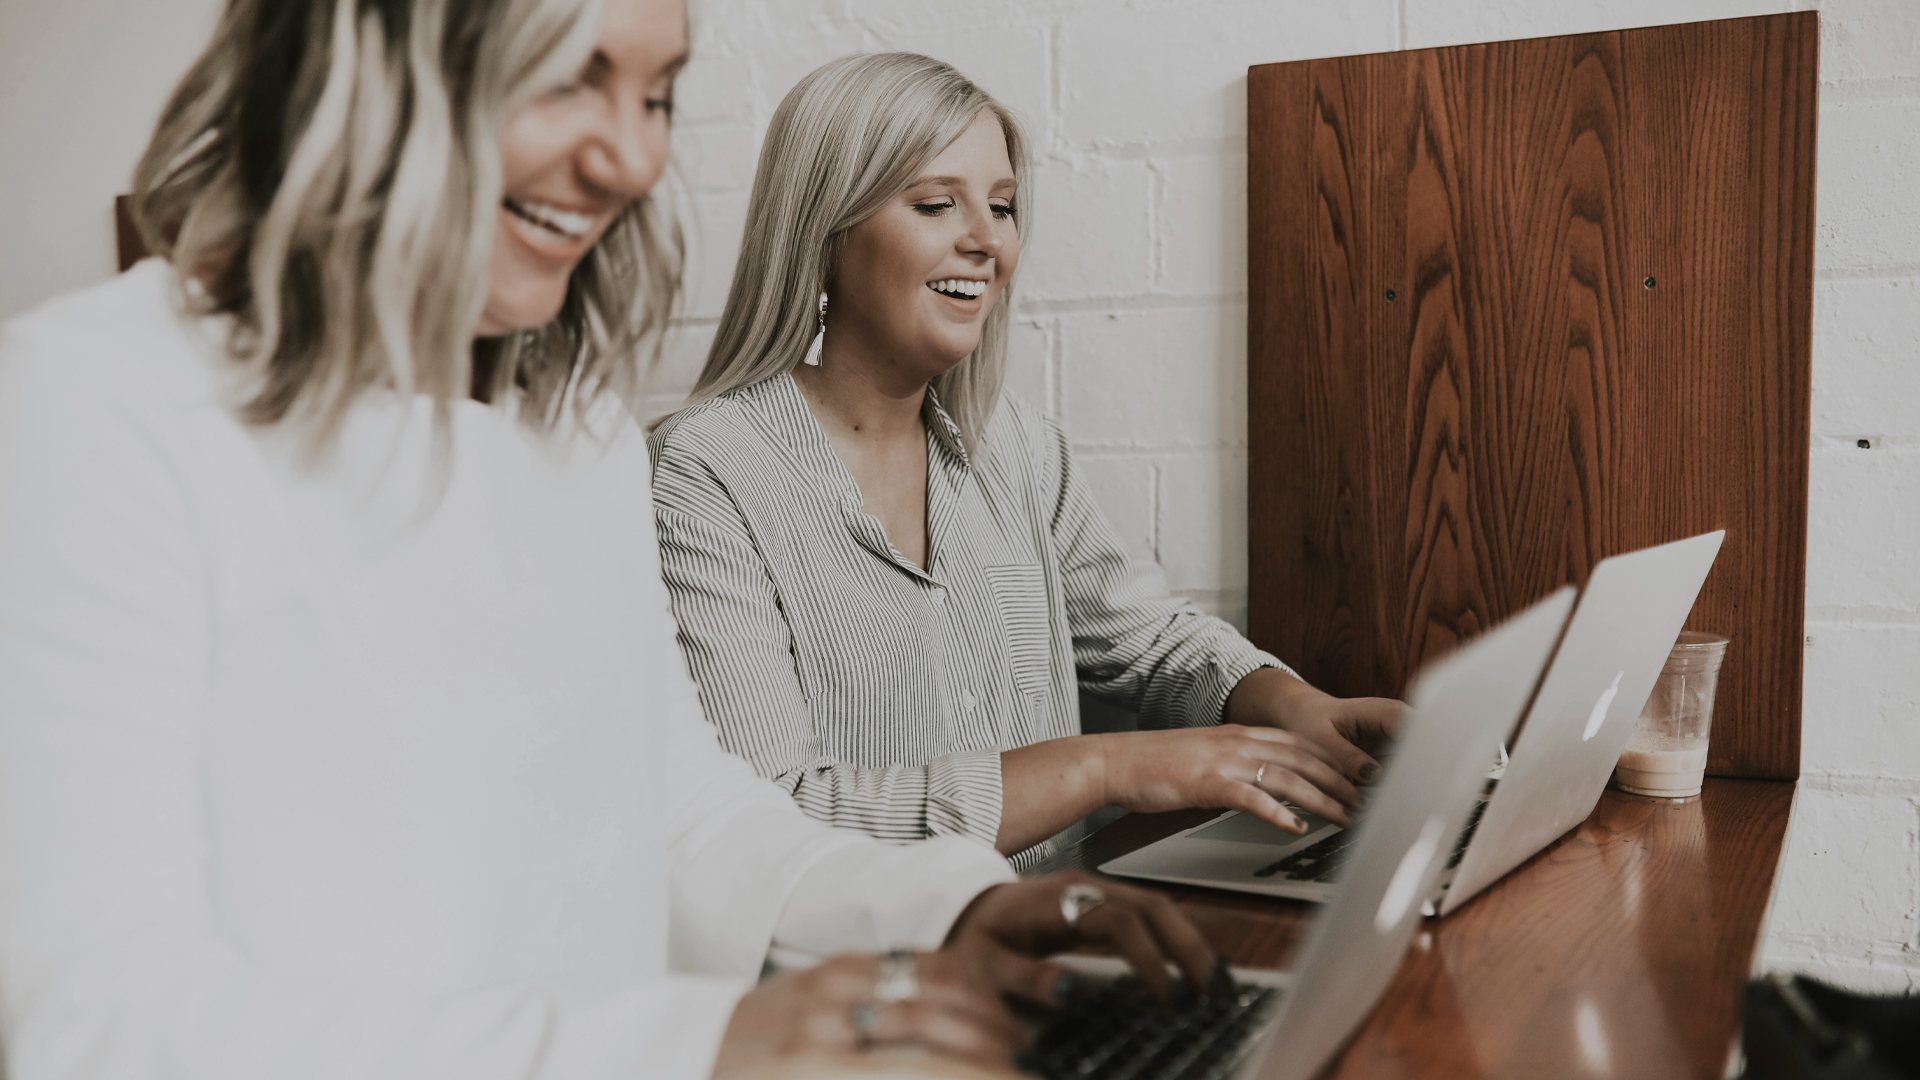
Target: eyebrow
955,181
600,61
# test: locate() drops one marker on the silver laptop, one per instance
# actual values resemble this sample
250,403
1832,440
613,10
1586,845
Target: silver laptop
1632,609
1461,708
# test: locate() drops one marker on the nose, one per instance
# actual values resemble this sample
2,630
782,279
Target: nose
983,234
627,152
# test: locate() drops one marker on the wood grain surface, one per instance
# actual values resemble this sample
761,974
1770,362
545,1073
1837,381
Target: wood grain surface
1514,308
1618,951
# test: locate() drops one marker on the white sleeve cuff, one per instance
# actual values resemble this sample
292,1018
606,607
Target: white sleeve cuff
869,897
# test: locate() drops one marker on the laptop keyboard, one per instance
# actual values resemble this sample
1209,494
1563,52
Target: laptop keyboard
1318,861
1466,834
1119,1031
1322,861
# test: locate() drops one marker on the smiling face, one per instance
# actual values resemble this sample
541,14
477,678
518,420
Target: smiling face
916,280
578,155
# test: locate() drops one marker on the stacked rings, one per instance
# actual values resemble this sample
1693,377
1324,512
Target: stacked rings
899,978
898,981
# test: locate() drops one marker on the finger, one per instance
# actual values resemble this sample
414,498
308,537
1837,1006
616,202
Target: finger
1336,749
1328,762
1373,726
1298,791
1352,761
1271,737
1123,928
957,983
1386,716
1306,781
1024,977
1252,800
1316,771
844,979
960,978
1178,937
944,1030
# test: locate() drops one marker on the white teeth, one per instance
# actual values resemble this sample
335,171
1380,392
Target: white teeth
567,223
958,287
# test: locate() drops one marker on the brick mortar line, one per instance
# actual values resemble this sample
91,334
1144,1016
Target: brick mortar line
1129,304
1879,90
1862,784
1883,955
1149,452
1837,445
1887,272
1841,617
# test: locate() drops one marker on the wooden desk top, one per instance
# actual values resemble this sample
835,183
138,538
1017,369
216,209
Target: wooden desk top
1619,951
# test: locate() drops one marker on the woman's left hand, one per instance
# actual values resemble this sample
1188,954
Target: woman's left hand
1008,927
1353,730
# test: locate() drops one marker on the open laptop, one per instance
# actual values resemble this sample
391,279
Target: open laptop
1276,1026
1632,609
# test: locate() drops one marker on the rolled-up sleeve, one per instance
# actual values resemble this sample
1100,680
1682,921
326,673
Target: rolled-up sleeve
1134,644
740,649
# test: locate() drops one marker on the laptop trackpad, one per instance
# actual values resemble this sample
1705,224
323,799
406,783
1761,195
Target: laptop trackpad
1247,829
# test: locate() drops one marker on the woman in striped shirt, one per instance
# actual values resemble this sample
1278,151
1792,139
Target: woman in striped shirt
889,576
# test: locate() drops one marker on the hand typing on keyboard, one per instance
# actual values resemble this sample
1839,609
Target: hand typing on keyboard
1119,1031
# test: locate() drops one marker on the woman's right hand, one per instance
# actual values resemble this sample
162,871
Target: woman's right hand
810,1013
1230,767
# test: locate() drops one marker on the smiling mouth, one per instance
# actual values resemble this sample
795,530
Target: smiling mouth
958,288
570,226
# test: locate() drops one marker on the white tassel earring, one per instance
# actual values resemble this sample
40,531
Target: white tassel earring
820,337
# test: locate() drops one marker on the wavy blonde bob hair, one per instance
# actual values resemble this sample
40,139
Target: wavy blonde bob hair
330,171
843,143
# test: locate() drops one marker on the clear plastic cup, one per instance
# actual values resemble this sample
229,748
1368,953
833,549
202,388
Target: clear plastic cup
1667,755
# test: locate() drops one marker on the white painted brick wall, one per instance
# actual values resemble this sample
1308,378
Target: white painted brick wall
1132,322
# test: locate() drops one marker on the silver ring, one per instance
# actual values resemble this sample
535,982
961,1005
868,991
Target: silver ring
1077,900
1260,774
866,1021
899,978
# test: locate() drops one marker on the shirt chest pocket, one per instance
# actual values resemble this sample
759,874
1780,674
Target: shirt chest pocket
1020,600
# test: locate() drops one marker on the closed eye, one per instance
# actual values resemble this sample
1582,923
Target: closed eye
934,209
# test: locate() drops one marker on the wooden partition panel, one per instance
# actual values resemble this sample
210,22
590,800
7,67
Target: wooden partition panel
1519,306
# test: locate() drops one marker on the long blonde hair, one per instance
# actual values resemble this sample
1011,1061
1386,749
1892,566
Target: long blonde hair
849,138
331,170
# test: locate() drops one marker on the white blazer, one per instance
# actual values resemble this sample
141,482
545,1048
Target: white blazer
307,770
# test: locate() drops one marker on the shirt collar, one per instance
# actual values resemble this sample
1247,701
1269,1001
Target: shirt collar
942,424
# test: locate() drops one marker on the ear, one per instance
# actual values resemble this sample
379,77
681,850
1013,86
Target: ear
830,253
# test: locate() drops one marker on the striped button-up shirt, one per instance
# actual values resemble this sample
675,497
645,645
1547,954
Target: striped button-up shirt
877,692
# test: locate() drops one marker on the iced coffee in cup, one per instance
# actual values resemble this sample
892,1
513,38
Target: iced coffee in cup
1667,756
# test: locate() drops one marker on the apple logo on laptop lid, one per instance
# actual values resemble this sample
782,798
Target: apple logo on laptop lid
1405,883
1599,714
